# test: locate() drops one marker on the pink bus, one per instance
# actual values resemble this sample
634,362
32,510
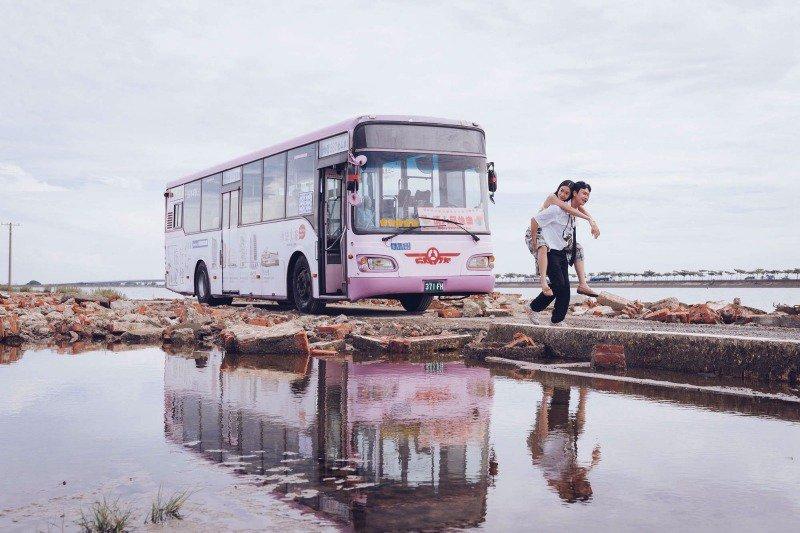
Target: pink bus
372,207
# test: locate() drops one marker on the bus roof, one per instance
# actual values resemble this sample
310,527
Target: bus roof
340,127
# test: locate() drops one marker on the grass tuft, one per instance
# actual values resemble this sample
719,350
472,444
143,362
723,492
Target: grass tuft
105,517
162,510
67,290
108,294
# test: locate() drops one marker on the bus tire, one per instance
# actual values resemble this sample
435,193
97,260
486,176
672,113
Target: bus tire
202,287
415,303
303,289
284,305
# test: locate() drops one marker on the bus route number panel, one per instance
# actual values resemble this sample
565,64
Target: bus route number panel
433,286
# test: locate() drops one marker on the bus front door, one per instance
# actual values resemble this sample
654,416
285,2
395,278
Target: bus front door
332,231
228,255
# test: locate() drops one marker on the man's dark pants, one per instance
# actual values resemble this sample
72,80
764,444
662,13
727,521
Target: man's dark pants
558,272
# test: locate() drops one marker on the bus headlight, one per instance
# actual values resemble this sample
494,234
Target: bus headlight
376,263
481,262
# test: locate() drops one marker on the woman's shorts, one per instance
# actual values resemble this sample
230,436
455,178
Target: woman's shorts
578,252
579,255
539,241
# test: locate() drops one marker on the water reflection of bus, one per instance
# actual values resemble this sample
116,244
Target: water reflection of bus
416,434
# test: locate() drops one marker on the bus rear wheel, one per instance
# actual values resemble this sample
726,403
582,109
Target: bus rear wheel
415,303
202,289
302,289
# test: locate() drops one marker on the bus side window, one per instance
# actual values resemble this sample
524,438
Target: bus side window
177,215
300,172
251,192
274,187
211,210
191,223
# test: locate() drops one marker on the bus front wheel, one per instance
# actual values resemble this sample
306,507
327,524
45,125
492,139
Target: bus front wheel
302,289
415,303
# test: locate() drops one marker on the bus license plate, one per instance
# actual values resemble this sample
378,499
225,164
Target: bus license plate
433,286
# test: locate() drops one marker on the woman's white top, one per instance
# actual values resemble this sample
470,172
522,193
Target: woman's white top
555,223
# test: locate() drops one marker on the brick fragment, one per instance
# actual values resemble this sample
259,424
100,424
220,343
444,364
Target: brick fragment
449,312
609,357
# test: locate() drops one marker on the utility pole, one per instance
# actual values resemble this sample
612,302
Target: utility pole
11,226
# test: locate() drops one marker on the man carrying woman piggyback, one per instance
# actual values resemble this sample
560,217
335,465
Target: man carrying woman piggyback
551,237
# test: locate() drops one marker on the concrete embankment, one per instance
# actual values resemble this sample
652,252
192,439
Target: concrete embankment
496,330
760,358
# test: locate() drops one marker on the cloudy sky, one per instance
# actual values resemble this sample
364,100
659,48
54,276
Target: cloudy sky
683,116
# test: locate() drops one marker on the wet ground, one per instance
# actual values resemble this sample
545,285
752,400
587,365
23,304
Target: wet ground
308,443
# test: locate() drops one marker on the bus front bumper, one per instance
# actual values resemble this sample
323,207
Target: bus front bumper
366,287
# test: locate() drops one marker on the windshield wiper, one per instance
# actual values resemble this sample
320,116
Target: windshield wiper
393,235
459,224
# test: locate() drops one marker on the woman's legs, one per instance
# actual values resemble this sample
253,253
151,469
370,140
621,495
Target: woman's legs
580,269
541,261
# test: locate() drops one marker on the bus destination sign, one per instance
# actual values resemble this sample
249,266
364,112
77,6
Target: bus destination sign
333,145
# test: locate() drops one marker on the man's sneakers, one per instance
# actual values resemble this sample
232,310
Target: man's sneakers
533,316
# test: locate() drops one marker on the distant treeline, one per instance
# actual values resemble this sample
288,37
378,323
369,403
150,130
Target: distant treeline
736,274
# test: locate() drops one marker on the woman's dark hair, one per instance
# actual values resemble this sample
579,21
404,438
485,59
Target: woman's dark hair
567,183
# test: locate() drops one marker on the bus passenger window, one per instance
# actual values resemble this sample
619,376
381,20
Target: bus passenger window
191,210
300,171
251,193
211,207
274,187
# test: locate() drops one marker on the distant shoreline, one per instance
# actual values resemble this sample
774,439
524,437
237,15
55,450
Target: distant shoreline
759,284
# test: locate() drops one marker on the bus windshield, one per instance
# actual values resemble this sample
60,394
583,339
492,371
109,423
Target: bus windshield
401,190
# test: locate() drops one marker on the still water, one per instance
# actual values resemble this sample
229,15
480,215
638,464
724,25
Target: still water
393,444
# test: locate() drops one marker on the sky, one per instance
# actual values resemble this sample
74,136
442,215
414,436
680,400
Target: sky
683,116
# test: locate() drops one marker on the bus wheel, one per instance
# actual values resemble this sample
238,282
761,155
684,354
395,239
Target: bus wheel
415,303
202,287
284,305
302,289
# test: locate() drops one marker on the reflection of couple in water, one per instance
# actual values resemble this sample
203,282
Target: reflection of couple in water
551,238
554,444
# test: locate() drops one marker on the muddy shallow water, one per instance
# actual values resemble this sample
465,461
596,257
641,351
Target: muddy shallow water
306,443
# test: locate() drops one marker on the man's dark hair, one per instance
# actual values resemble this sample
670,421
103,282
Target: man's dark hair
578,185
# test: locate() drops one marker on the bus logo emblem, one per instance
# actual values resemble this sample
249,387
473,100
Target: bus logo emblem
432,257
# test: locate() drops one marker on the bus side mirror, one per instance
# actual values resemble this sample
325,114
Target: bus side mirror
353,175
492,176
